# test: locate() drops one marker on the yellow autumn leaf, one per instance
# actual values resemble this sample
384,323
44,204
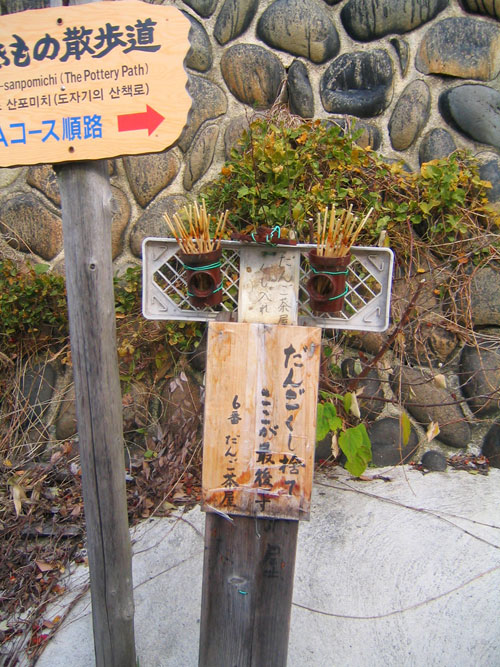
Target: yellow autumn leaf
440,381
335,446
354,407
405,428
18,497
432,431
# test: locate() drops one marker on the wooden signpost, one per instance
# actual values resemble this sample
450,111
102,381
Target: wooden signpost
86,83
89,82
260,419
258,461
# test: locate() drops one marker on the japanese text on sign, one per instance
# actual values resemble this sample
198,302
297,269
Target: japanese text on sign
268,285
66,74
259,433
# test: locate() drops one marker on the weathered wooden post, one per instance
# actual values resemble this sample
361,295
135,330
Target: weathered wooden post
259,428
77,115
259,439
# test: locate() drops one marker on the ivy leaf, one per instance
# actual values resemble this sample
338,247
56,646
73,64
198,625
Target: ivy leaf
356,445
326,420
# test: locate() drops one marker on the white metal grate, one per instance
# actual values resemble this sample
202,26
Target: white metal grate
366,304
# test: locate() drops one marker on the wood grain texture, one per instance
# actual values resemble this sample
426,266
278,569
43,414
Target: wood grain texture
247,591
110,99
260,419
86,211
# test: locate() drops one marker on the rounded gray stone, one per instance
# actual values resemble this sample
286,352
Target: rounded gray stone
491,445
386,437
209,101
36,388
410,115
460,46
234,131
43,178
427,402
204,8
149,174
479,374
120,215
485,297
403,52
436,144
199,57
371,136
152,221
434,460
486,7
300,27
66,425
200,155
253,74
300,92
365,20
358,83
490,171
474,110
234,18
26,224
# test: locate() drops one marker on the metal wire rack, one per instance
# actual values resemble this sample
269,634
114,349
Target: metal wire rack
366,303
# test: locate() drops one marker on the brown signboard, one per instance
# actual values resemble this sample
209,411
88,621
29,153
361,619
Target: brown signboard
260,419
91,81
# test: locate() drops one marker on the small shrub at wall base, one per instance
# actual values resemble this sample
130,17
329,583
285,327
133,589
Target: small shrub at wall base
32,305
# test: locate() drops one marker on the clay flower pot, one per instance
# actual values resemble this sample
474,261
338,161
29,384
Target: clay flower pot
326,285
203,277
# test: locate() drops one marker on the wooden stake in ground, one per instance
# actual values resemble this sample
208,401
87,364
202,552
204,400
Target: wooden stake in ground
86,214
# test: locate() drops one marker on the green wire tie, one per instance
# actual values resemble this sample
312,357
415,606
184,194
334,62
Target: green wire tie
330,273
274,230
215,265
333,273
339,296
217,289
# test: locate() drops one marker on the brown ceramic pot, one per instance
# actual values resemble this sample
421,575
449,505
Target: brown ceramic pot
203,277
326,285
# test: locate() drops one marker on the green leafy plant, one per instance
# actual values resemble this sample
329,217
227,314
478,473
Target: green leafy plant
32,305
353,441
285,171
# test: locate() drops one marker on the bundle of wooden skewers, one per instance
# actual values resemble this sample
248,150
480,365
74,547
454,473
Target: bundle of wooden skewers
191,229
336,236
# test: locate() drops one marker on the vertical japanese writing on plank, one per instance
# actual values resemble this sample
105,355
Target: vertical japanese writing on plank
263,453
229,482
268,287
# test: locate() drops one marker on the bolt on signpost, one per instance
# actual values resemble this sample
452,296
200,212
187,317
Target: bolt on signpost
259,425
63,74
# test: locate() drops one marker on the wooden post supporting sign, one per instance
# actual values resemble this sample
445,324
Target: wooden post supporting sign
259,438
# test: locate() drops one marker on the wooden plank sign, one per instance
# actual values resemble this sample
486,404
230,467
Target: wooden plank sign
91,81
260,419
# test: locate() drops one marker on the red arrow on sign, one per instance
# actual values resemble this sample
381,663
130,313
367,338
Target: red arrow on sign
147,120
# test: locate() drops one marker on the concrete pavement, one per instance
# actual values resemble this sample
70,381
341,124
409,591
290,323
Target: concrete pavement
388,573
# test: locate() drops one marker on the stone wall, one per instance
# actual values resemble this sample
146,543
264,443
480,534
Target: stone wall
419,76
